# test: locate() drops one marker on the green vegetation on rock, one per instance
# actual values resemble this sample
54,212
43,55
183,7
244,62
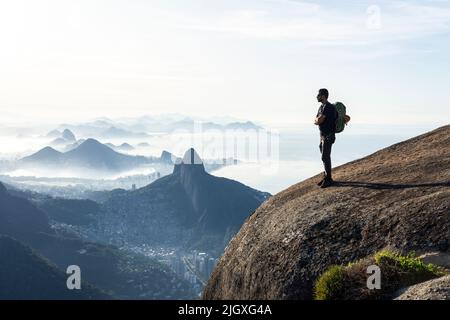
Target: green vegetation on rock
397,271
330,282
408,269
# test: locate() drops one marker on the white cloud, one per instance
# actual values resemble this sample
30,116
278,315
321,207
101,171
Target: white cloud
314,24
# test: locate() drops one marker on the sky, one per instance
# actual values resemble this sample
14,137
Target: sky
261,60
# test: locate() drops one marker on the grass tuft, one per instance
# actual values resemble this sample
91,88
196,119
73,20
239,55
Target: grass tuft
329,283
397,271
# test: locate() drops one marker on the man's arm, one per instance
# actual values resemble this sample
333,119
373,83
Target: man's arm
319,120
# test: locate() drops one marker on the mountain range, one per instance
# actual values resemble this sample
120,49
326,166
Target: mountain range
66,134
138,127
63,138
90,154
124,147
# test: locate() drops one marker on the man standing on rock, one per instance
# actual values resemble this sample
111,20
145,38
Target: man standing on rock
326,120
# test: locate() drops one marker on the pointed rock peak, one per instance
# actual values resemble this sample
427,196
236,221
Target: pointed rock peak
191,157
191,160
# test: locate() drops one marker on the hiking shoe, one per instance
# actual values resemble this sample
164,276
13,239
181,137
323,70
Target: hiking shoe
327,183
324,177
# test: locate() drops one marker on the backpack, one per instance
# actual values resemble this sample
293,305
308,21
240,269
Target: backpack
340,120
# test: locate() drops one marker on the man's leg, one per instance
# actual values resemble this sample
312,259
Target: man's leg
326,156
323,176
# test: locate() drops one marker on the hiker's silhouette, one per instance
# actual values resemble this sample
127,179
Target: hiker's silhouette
326,120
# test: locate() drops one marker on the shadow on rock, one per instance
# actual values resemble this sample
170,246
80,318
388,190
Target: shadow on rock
380,186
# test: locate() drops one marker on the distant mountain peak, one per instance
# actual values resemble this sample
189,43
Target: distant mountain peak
125,144
167,157
47,154
47,151
92,146
191,161
68,135
91,142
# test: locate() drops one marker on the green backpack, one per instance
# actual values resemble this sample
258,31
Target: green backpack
340,121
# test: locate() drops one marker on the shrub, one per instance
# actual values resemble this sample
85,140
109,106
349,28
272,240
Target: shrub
397,271
401,271
329,283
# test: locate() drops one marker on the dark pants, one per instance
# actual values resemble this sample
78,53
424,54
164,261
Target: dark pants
326,141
